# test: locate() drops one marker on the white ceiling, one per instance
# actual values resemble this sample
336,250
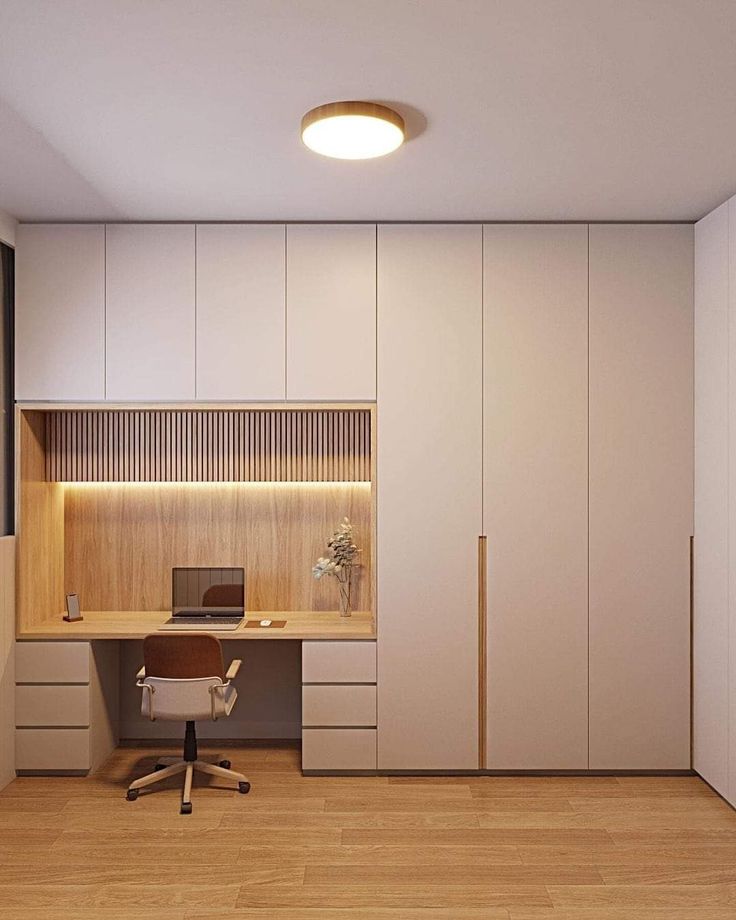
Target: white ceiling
521,109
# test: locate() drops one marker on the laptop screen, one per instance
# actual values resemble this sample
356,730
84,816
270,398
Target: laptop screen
203,589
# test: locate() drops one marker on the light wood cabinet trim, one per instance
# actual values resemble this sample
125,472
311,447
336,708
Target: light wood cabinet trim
40,526
482,647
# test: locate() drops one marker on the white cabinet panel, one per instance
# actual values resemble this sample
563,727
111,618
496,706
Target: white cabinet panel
338,662
60,312
150,330
335,705
52,662
711,597
536,495
54,749
331,312
641,495
241,312
429,494
52,705
339,749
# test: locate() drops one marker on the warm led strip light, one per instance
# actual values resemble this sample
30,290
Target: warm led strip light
353,130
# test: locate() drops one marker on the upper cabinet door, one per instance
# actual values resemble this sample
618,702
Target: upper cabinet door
331,312
60,312
241,312
641,495
536,495
150,312
430,321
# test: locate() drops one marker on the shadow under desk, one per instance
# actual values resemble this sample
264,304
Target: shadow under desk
315,677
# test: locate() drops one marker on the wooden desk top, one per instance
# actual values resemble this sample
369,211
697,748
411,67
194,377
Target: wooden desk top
135,624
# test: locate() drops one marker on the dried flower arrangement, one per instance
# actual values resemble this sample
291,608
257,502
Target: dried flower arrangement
340,563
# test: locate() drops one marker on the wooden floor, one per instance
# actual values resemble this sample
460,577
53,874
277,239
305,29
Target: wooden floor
298,848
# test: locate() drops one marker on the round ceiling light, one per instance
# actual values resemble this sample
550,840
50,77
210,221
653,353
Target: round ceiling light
353,130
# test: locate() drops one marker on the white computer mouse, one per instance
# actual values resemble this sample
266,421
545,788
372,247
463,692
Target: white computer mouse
265,623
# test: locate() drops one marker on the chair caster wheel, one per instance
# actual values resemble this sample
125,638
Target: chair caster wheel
132,794
225,764
244,788
186,808
159,766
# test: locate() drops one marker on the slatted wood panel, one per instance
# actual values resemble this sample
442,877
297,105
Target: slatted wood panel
278,445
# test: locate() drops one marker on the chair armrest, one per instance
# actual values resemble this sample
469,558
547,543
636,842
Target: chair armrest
141,674
233,669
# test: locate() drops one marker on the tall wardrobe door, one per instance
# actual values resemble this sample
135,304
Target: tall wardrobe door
641,495
536,495
710,624
150,311
429,495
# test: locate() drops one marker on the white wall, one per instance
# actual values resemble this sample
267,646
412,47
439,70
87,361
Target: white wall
7,660
7,228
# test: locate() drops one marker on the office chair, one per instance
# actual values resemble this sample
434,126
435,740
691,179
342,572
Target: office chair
183,679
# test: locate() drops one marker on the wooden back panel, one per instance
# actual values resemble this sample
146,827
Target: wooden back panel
122,540
40,565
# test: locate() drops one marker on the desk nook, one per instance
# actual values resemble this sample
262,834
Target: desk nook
111,499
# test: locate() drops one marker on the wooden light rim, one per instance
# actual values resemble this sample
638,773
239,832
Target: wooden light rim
350,107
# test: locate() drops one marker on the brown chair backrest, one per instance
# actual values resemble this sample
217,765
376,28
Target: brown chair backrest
183,657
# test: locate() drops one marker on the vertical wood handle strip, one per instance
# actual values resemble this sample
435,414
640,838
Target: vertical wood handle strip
692,659
482,646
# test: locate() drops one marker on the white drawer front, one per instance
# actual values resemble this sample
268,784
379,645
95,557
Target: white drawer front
339,662
339,749
345,705
52,749
55,705
52,662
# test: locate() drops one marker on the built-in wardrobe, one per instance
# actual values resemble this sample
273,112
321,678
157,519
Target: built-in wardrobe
534,388
534,446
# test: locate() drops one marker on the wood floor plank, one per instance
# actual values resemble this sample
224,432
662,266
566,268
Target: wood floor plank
399,897
360,913
436,805
476,837
438,875
623,855
379,855
256,822
602,912
643,896
138,896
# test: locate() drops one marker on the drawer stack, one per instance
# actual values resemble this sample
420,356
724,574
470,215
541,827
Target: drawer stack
338,706
65,705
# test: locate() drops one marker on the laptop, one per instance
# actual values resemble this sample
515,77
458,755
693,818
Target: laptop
206,599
